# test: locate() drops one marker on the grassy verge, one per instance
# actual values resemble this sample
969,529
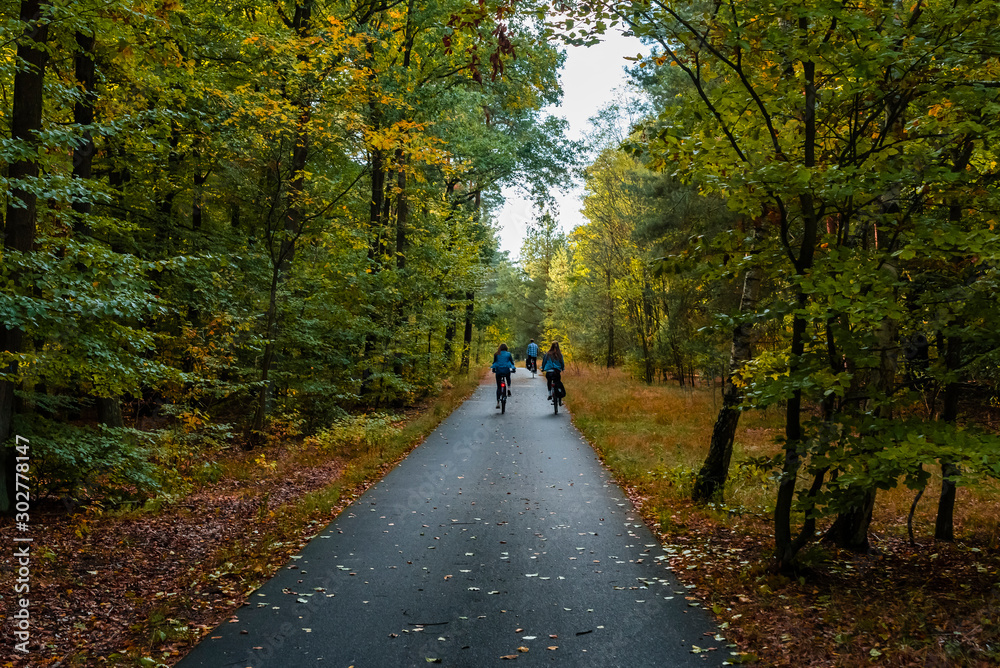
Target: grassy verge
929,604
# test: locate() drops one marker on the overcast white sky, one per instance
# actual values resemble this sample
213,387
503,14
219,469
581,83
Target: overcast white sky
589,79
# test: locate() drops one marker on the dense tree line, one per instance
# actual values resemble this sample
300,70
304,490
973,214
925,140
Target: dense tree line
810,205
230,215
627,288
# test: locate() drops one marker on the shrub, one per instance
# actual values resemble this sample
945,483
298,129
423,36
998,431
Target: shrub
354,433
182,451
75,462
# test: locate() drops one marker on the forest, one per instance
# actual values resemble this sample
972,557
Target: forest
804,206
219,218
224,223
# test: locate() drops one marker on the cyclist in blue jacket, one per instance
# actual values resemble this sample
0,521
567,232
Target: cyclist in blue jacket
552,366
503,366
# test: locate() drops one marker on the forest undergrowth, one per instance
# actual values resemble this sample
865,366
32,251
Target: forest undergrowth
929,603
140,587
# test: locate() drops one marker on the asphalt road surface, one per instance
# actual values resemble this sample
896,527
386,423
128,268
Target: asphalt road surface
500,534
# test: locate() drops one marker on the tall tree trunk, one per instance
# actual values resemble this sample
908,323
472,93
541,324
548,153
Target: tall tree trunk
402,204
644,320
783,544
430,348
944,525
19,227
402,211
712,476
376,161
169,189
449,330
197,212
281,267
197,202
402,159
647,369
850,530
785,547
402,223
281,263
470,295
109,410
467,339
611,322
675,351
375,209
83,115
234,216
255,434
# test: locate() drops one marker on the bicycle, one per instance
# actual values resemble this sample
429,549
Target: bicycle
557,391
503,396
503,387
532,365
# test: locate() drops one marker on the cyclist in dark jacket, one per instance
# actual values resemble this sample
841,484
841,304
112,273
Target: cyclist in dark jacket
552,365
503,366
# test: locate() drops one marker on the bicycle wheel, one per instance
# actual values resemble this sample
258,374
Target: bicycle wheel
555,403
503,398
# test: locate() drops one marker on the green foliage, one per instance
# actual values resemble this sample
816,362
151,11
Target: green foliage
81,462
185,450
854,142
354,433
261,210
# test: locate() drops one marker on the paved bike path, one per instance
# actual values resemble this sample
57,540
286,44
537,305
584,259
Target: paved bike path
500,532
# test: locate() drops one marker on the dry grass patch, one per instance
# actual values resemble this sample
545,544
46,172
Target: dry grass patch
657,436
929,604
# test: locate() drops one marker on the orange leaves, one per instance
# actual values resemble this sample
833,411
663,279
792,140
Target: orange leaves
939,109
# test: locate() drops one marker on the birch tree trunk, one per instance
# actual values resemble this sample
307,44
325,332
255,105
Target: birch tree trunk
712,476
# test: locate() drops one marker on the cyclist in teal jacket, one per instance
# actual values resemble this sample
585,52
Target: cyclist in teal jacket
552,366
503,366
